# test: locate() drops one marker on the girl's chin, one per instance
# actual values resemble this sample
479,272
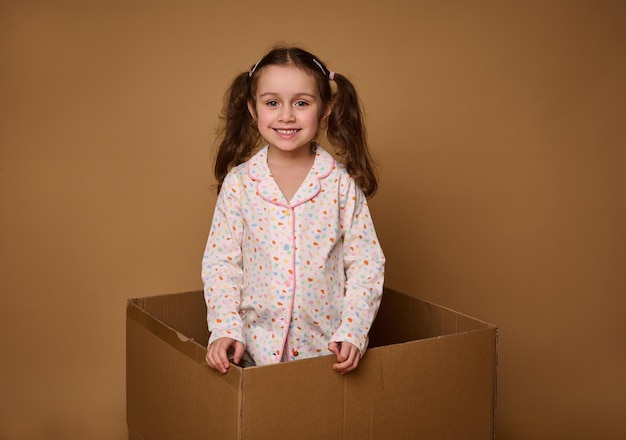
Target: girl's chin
290,148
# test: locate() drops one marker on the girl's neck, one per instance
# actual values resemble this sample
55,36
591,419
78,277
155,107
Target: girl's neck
301,157
290,168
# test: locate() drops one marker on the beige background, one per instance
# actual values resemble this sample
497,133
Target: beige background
501,139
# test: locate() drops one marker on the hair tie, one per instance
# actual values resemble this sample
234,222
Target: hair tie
320,66
254,68
330,75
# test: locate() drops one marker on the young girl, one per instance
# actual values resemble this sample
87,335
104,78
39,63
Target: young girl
292,268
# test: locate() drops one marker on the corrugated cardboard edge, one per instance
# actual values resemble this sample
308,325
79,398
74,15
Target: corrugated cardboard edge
495,329
495,387
240,396
188,346
461,323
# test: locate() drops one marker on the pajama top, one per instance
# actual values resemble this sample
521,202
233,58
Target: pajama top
285,278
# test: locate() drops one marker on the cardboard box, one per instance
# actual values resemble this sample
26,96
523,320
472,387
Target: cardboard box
430,373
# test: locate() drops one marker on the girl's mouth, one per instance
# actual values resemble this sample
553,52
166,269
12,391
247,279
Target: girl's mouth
286,132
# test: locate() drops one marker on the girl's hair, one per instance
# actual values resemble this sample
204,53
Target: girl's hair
345,129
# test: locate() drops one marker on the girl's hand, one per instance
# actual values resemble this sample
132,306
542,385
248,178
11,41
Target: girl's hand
217,353
348,356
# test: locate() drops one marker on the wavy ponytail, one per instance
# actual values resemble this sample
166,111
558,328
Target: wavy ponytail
238,133
346,132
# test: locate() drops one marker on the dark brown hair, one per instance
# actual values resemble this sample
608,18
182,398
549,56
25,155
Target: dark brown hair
345,130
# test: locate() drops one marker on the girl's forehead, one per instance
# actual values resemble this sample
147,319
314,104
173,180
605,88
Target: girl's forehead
286,78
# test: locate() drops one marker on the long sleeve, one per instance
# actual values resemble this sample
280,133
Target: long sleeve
222,265
364,264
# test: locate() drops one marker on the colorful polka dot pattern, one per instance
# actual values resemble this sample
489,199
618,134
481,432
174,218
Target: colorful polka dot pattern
286,278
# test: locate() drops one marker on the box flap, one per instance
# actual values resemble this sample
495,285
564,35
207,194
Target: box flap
402,318
171,392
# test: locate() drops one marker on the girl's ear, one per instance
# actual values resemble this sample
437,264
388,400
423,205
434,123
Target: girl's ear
327,110
252,110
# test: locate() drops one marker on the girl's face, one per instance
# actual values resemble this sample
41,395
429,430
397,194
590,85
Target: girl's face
288,107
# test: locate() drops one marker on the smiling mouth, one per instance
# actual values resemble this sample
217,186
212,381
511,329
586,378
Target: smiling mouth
286,132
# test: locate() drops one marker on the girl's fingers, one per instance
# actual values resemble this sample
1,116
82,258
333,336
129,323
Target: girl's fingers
239,349
348,358
217,354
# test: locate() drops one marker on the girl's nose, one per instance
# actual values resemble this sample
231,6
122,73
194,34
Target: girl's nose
286,114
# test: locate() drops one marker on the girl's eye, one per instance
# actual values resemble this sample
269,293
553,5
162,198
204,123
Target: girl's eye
271,103
301,104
